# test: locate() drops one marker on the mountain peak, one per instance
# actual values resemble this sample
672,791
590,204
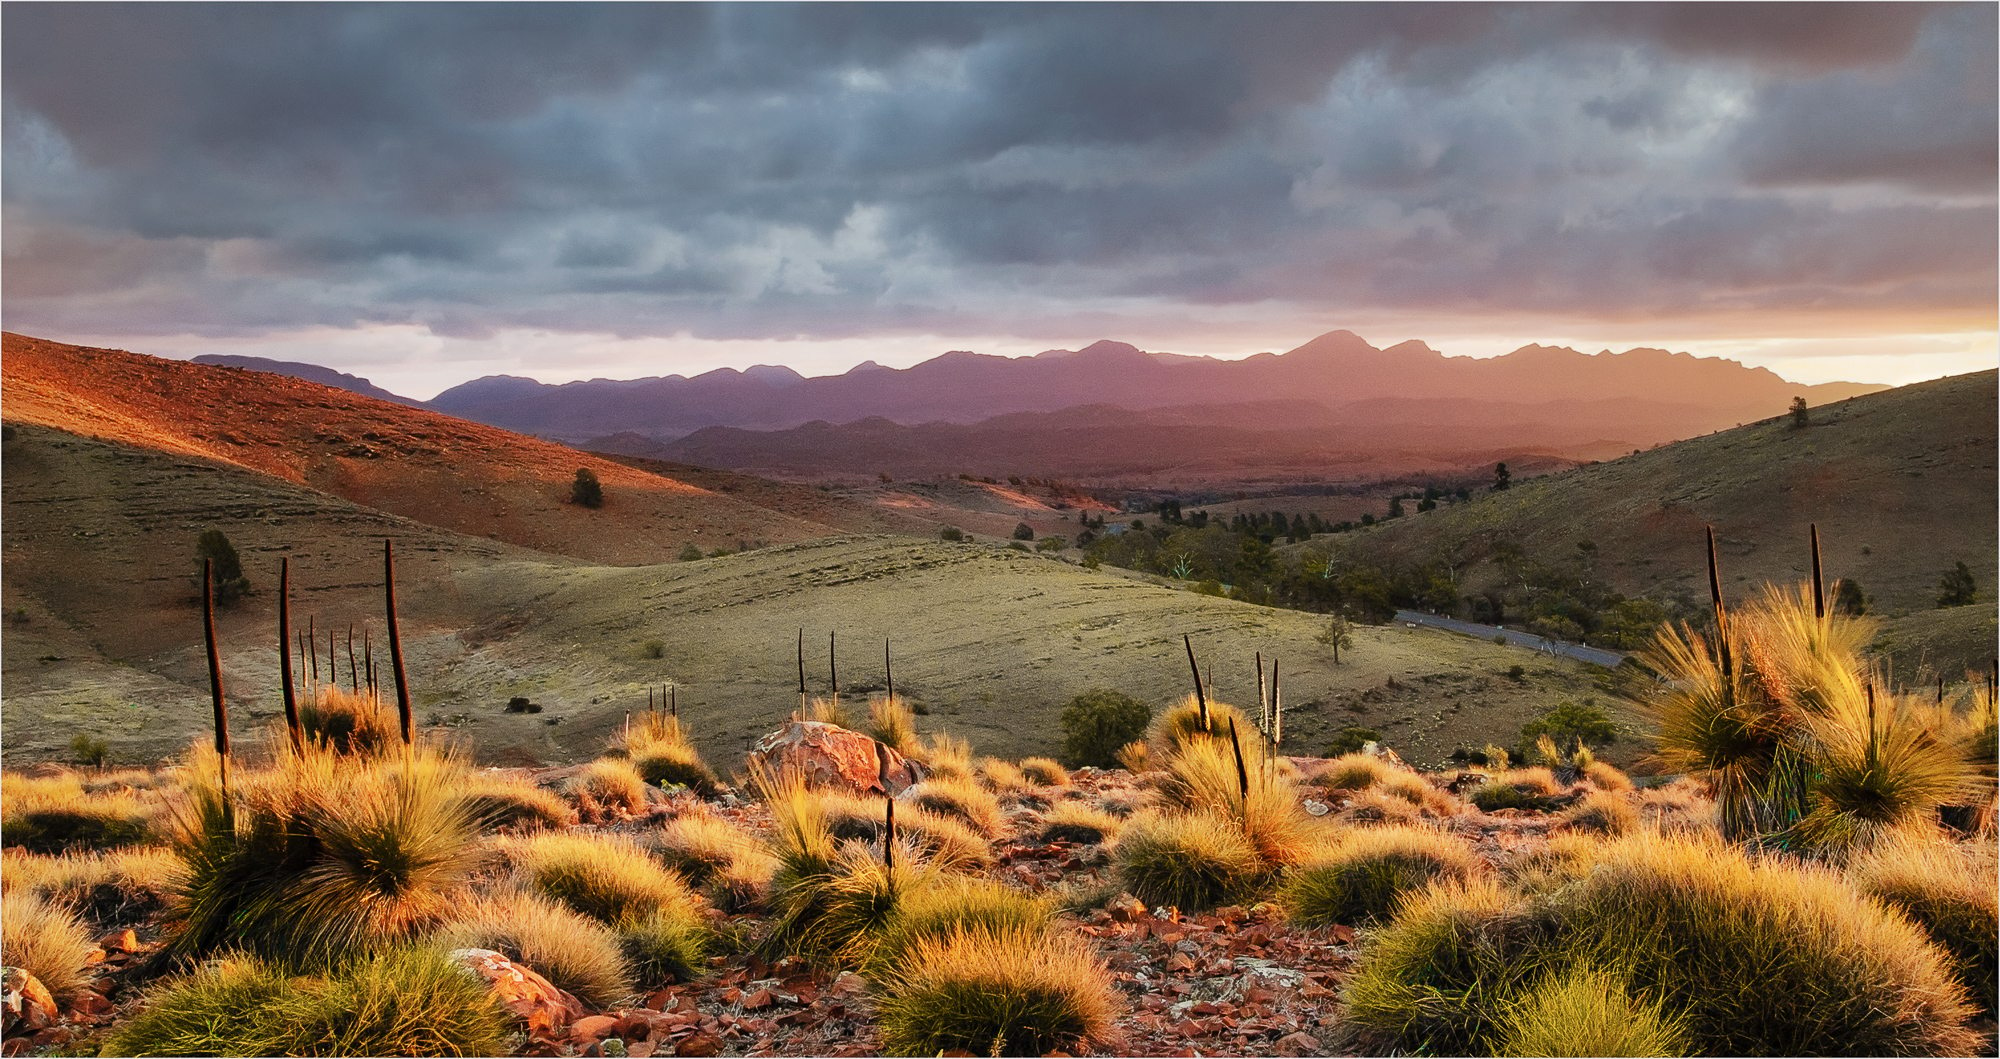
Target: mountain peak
1102,349
1336,343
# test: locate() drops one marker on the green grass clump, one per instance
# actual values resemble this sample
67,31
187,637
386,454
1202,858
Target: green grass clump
951,903
118,888
1948,890
1603,812
47,941
54,814
607,878
997,993
1584,1012
1527,788
575,953
1045,772
668,945
834,918
1077,822
1192,861
1361,877
402,1002
608,785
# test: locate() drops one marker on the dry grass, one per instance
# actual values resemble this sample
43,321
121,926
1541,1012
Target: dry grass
944,904
1009,992
1565,858
1204,777
1606,777
605,877
1192,861
1532,788
1077,822
824,710
728,863
1360,879
47,941
1352,772
1581,1011
574,952
497,799
947,758
1947,888
1176,726
1603,812
1044,772
349,723
55,813
1003,777
116,888
1135,757
835,918
608,785
892,722
962,799
946,842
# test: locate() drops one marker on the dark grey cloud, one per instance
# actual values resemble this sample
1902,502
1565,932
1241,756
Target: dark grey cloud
839,169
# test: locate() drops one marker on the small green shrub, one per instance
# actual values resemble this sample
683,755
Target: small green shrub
1568,723
585,490
1005,993
88,750
951,533
1361,878
1351,739
1192,861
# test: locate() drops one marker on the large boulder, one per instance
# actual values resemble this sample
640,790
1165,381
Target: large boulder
830,756
532,998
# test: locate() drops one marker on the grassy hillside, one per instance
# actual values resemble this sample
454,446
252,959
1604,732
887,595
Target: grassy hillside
103,636
1901,483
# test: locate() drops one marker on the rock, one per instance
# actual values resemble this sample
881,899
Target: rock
701,1044
26,1005
518,704
1125,908
532,998
119,941
593,1027
1296,1044
830,756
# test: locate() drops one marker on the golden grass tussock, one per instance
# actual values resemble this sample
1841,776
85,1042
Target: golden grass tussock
321,855
947,757
1419,792
608,786
1603,812
1176,726
1581,1011
1077,822
1009,992
1360,878
501,800
608,878
1948,889
1204,777
51,814
1374,808
1003,777
413,1001
1135,757
348,722
802,839
663,753
1606,777
576,953
945,842
943,904
1044,772
46,940
1533,788
1192,861
961,799
1352,772
836,917
894,724
716,856
1565,858
118,888
825,710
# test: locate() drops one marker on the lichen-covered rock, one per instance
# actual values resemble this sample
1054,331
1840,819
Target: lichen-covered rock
829,756
532,998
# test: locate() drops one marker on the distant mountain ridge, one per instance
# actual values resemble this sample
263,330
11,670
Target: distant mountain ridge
1333,370
325,376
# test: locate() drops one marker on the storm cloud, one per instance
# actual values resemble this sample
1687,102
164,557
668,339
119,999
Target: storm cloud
840,172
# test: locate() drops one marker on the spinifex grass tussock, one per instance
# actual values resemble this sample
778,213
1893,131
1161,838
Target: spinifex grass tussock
666,945
1205,777
835,918
117,888
1077,822
801,836
892,723
948,903
825,711
574,952
1947,888
320,855
54,813
1360,879
1013,992
1526,788
1879,767
1606,777
1581,1011
403,1002
608,785
1135,756
496,799
1603,812
1002,777
701,846
1417,791
605,877
1044,772
1352,772
46,940
1192,861
1178,725
945,842
946,757
349,723
1565,858
1373,807
661,751
961,799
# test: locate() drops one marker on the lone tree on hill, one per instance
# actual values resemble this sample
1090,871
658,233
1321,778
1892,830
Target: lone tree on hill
1502,477
1023,532
1801,416
225,569
1339,633
1848,598
1958,588
586,490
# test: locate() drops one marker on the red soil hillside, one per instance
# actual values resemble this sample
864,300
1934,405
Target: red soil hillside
423,465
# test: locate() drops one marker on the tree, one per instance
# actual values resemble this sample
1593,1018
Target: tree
1339,633
690,552
1569,723
951,533
585,489
1848,597
1097,723
1502,477
225,569
1396,507
1801,418
1023,532
1958,588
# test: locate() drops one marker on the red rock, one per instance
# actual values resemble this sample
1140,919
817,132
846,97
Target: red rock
27,1003
593,1027
1297,1044
701,1044
126,940
828,755
91,1005
760,999
531,998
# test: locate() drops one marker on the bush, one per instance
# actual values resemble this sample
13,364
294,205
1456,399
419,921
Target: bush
607,878
586,490
1602,812
45,940
1192,861
1044,772
407,1002
347,723
947,904
1949,892
1051,544
575,953
226,578
608,784
951,533
54,814
1351,739
1361,878
89,751
1098,722
997,993
690,552
1958,587
1076,822
653,649
962,799
1023,532
1581,1011
1568,723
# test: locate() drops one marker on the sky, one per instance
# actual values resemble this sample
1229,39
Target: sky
426,193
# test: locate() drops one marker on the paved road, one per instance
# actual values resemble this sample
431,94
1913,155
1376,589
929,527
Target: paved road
1596,656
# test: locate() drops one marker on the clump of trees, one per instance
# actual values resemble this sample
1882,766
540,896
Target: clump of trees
586,490
1958,587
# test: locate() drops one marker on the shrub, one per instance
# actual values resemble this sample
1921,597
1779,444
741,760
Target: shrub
586,490
607,878
575,953
1097,723
320,856
88,750
1567,723
654,649
1606,777
53,814
891,722
497,799
47,941
1076,822
1051,544
1949,892
405,1002
690,552
608,784
951,533
1352,772
348,723
1958,587
1360,879
997,993
665,945
1204,777
1044,772
1582,1011
1179,724
118,888
1351,739
1192,861
1023,532
961,799
1603,812
225,568
947,904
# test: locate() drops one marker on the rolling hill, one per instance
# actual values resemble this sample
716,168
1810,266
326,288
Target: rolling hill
1901,484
